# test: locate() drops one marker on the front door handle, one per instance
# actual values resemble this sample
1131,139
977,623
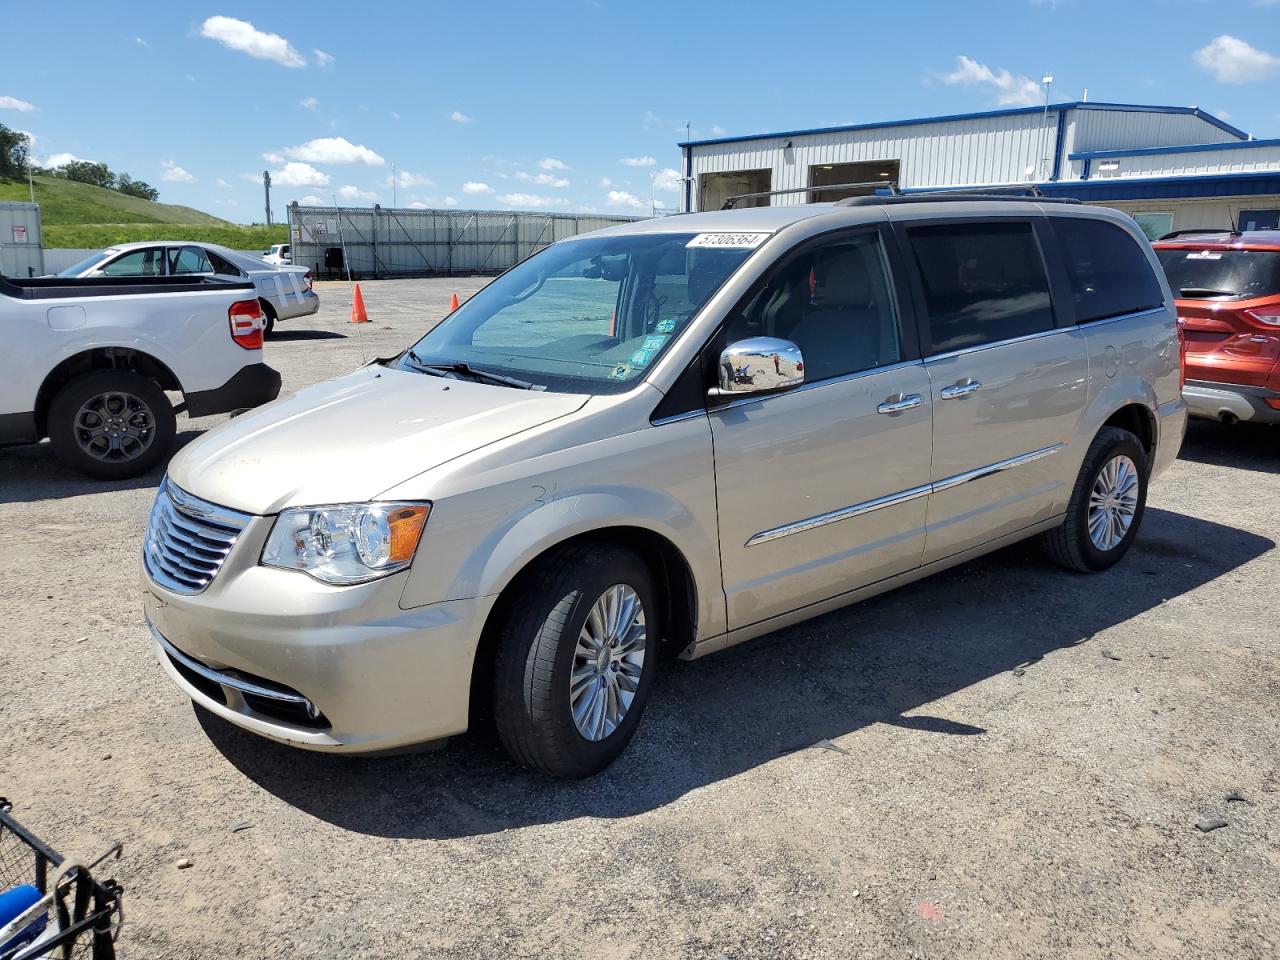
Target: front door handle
961,389
898,402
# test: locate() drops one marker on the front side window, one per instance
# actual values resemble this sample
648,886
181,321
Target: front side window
983,282
1109,273
585,316
188,260
834,301
147,262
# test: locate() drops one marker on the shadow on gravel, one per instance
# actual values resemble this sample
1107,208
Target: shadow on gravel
282,335
32,472
1244,446
877,662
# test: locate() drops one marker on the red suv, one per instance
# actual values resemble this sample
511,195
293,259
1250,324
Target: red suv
1227,288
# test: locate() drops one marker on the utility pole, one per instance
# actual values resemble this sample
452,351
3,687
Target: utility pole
393,184
266,186
31,184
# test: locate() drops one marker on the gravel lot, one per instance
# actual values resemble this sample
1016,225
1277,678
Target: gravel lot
1004,761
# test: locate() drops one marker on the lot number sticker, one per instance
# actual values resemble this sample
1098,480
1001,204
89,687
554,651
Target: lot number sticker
747,241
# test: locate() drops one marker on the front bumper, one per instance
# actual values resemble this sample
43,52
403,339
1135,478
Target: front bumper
1208,400
315,666
252,386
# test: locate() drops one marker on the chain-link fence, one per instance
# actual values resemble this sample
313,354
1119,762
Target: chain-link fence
383,242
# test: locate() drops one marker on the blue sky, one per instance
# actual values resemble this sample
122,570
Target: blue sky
570,104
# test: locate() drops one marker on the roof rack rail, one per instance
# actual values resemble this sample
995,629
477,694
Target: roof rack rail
1174,234
891,185
1029,194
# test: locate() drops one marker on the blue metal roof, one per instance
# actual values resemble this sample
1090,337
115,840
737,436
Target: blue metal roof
1010,112
1184,148
1167,188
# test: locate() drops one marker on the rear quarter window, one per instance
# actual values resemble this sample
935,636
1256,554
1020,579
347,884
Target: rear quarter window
1109,271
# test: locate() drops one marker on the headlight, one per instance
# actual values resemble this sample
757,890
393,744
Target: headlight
346,543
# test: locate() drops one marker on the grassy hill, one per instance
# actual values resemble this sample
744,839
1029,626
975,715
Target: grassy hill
79,215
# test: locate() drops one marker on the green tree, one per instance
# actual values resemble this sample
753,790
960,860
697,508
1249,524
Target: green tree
136,188
14,147
87,171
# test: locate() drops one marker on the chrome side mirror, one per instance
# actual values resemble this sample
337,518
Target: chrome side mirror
758,365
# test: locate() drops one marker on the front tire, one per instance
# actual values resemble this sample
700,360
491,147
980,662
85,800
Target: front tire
111,424
1106,506
576,660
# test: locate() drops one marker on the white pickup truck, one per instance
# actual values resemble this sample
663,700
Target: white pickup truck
86,363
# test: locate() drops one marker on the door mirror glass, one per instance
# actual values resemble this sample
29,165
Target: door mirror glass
760,365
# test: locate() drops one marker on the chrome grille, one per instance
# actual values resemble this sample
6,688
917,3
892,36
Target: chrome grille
188,539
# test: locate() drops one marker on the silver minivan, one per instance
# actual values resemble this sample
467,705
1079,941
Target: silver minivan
664,438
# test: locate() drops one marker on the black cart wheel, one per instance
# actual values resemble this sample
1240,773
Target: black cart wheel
576,660
1106,505
111,424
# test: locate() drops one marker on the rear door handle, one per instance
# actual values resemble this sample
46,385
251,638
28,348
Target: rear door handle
962,389
897,403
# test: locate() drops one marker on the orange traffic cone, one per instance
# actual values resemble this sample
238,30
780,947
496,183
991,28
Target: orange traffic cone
453,303
357,308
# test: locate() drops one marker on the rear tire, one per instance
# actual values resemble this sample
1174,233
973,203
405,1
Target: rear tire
571,679
1106,506
268,318
111,424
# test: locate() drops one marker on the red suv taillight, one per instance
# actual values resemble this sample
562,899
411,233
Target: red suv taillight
1182,349
1270,316
307,280
245,317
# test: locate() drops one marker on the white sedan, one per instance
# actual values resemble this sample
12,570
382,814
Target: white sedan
285,291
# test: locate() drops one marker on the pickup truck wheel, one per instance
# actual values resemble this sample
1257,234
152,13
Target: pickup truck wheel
576,660
111,424
1106,505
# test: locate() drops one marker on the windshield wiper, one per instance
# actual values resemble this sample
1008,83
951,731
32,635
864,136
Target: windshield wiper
1200,293
464,368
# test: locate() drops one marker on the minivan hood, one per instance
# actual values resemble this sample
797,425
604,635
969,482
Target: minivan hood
347,440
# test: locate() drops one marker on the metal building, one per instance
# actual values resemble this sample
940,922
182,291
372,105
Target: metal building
21,240
1171,167
385,242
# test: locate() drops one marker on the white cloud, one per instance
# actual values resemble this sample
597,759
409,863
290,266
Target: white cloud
542,179
418,205
637,161
551,163
308,103
328,150
350,194
221,183
717,131
667,179
174,173
620,198
459,117
404,179
471,186
606,182
60,160
1010,91
450,201
311,200
532,201
1232,60
13,103
298,175
323,60
244,36
138,41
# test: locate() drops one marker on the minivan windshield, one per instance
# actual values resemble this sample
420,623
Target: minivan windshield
1209,274
583,316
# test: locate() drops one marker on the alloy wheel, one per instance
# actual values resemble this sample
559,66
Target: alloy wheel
1113,502
607,662
114,427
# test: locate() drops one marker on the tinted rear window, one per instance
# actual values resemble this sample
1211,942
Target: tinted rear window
1210,274
983,282
1109,272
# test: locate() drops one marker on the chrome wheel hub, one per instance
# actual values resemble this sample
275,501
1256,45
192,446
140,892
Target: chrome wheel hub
607,662
1113,502
114,427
